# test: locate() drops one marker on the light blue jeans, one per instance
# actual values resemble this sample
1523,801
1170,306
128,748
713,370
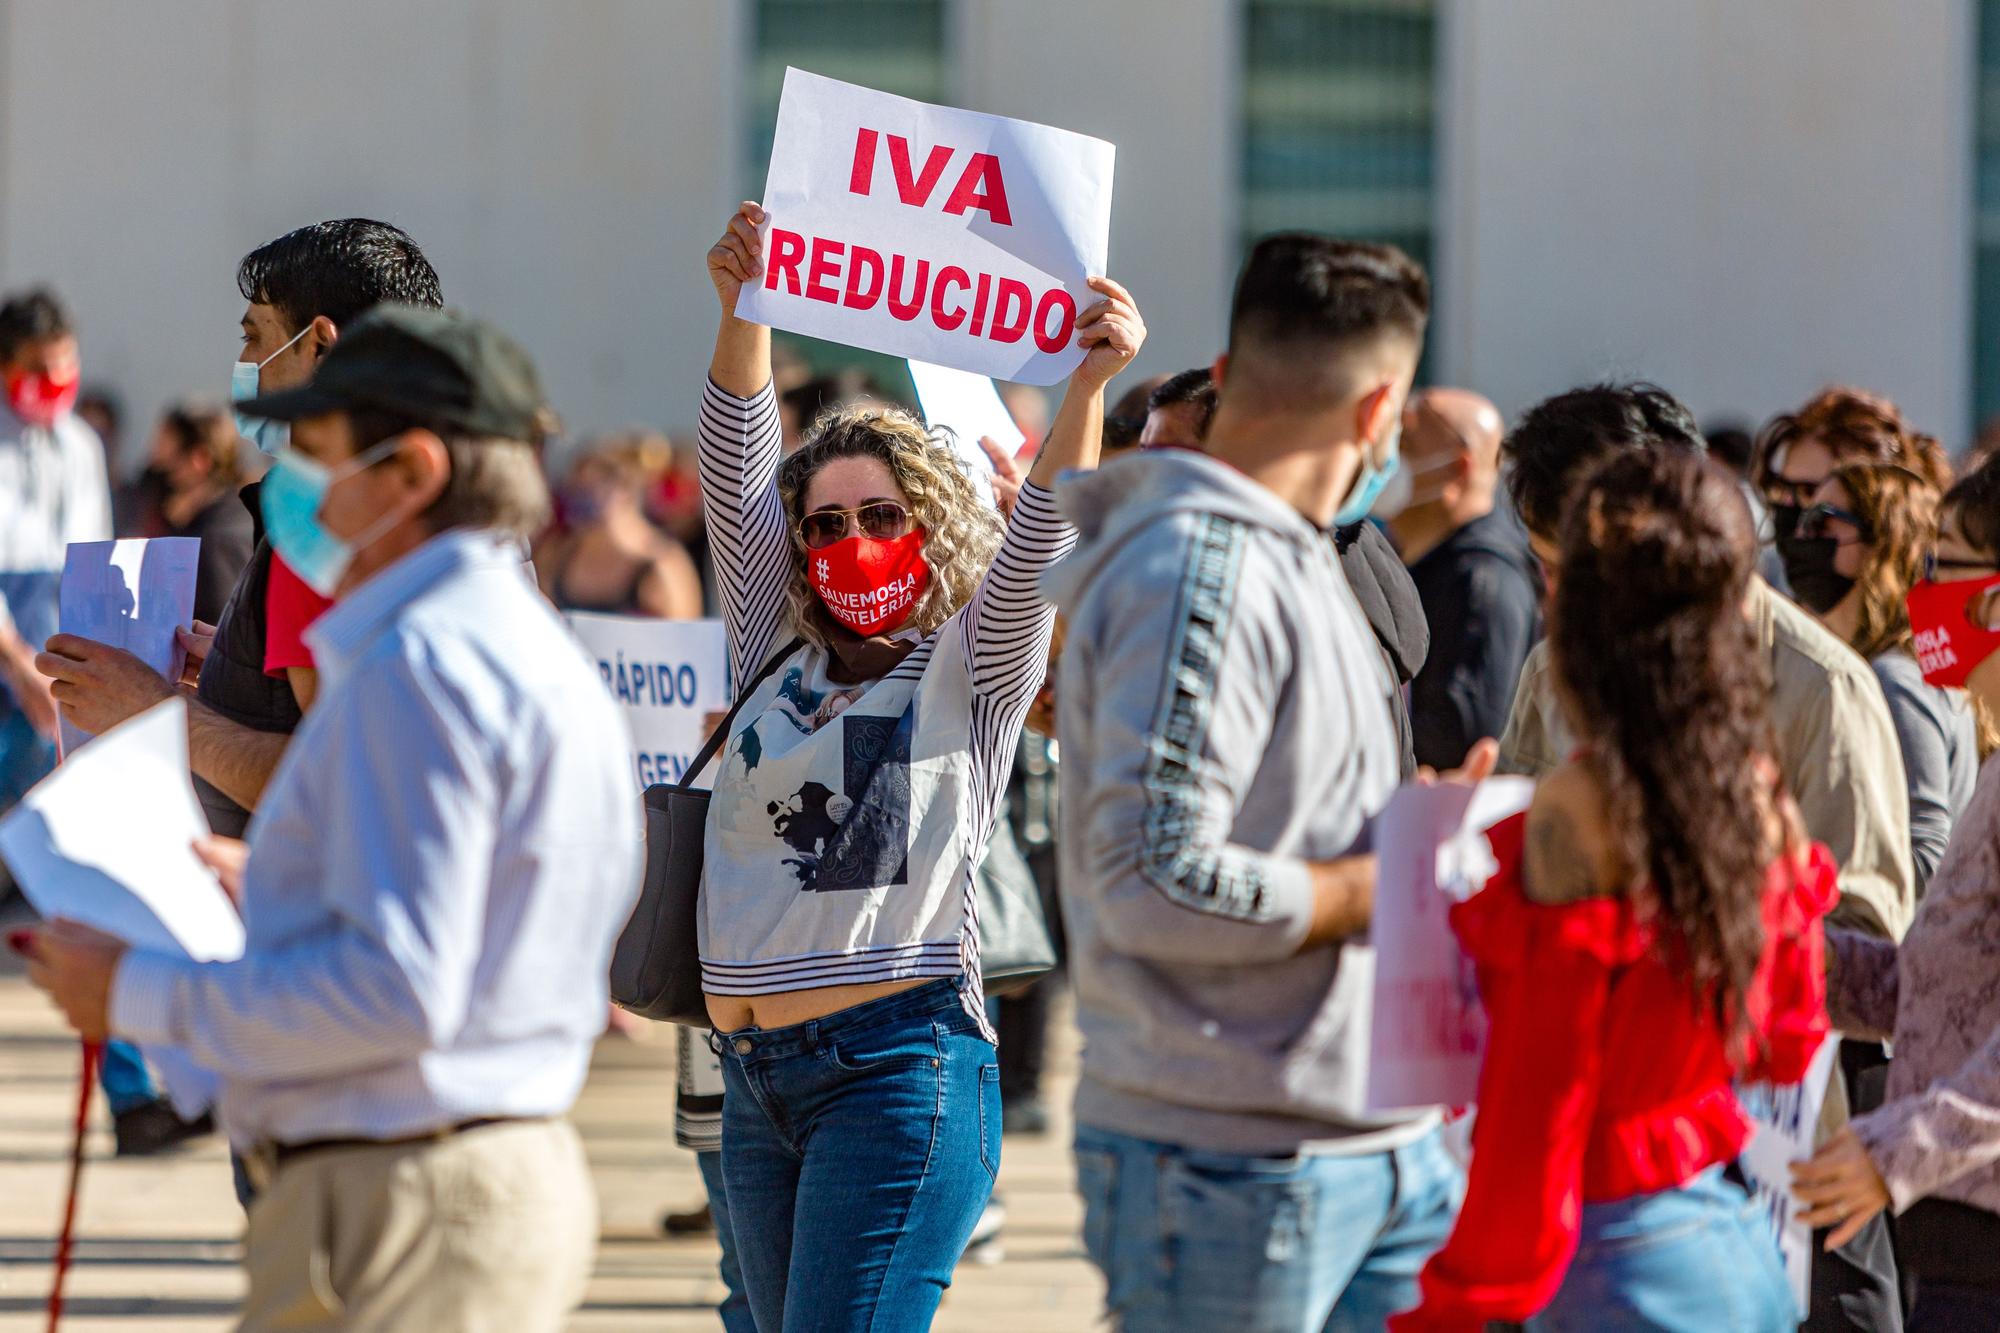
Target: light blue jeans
1687,1260
1188,1239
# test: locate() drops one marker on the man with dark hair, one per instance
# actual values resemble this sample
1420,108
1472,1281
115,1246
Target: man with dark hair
1835,743
1468,559
257,677
53,491
1179,410
1226,736
433,884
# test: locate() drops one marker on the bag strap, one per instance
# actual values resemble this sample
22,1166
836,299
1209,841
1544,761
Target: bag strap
721,732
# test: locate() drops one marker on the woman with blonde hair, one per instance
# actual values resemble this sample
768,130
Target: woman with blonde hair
839,944
1858,550
608,556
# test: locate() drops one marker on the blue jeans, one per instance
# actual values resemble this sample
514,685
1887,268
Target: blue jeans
735,1307
1695,1258
123,1075
858,1150
1189,1239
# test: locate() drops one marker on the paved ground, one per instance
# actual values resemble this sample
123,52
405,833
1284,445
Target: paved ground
158,1245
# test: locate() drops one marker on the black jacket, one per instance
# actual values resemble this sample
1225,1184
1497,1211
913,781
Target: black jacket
1389,599
1482,595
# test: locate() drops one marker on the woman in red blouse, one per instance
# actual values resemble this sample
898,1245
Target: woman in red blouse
1652,934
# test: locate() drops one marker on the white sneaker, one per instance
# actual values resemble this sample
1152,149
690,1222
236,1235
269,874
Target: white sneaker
985,1246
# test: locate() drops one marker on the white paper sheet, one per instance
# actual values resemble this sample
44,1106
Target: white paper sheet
667,676
1787,1119
107,840
970,407
131,595
924,231
1428,1034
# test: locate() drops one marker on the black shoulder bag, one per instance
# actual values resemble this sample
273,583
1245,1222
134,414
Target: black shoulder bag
655,966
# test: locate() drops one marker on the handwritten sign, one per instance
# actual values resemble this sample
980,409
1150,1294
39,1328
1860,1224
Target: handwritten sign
131,595
930,232
1428,1037
667,676
1787,1119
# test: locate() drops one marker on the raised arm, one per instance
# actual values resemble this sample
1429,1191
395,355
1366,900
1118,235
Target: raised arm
1008,623
741,444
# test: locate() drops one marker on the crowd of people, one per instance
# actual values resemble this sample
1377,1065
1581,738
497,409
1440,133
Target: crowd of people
1165,668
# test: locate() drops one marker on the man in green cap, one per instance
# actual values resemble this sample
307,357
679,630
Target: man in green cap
433,882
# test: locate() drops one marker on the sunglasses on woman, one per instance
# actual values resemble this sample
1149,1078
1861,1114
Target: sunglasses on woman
1813,523
883,520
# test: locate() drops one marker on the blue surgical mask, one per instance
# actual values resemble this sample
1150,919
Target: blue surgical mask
1368,487
269,436
294,492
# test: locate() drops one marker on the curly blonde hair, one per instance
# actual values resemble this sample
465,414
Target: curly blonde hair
961,531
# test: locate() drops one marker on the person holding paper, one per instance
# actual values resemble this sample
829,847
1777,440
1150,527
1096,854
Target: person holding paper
1652,934
839,945
1931,1152
52,492
1226,734
434,881
303,290
1835,744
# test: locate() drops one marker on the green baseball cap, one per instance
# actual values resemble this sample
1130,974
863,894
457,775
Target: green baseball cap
439,366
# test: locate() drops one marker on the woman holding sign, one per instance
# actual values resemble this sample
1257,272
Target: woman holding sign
1931,1151
861,1126
1652,934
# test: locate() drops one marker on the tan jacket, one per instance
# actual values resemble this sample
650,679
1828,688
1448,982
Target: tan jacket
1836,746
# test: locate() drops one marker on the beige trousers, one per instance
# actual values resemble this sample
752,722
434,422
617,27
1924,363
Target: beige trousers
495,1228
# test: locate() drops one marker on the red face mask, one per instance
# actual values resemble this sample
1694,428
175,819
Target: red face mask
869,585
38,398
1950,643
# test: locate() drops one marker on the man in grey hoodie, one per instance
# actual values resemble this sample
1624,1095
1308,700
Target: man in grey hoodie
1226,735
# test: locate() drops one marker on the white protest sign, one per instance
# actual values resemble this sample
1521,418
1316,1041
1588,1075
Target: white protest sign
667,676
1787,1119
131,595
1428,1035
107,840
970,408
929,232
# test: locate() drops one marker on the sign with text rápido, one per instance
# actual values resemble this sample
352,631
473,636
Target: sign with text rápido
929,232
667,676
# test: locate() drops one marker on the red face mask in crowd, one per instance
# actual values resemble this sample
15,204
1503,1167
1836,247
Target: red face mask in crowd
870,584
38,397
1951,637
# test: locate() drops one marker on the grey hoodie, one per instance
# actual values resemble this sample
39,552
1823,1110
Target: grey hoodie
1224,720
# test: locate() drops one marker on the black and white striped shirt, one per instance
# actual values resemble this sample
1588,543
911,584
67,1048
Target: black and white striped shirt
776,915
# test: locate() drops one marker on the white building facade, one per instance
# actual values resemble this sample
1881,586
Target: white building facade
1742,202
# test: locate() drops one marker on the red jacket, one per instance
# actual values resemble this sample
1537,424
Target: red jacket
1603,1078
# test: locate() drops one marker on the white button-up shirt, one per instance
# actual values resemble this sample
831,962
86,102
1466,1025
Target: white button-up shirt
436,875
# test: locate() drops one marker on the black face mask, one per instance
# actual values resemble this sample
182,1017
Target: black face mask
1785,519
1809,569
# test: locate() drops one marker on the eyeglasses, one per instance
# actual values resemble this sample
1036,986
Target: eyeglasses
1813,522
883,520
1782,490
1957,571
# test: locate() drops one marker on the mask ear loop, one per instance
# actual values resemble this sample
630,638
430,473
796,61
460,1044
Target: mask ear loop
282,350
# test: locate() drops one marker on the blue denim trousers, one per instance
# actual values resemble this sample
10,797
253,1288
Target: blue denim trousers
126,1081
1688,1260
735,1307
1189,1239
857,1153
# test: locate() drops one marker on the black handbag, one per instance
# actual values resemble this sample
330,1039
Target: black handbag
655,966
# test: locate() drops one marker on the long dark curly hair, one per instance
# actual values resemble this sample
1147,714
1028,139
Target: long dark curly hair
1657,665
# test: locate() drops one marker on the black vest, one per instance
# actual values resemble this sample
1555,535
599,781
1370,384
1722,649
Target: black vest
233,682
